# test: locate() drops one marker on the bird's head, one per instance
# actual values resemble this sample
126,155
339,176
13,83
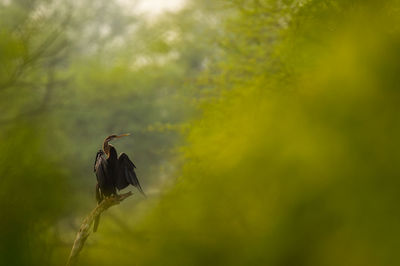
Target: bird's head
106,146
111,137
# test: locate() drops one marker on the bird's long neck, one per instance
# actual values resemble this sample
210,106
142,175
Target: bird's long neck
106,147
109,150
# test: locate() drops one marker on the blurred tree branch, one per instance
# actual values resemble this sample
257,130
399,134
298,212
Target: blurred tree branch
45,101
47,48
45,55
85,228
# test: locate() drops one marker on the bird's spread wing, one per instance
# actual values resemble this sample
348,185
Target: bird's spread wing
126,173
100,168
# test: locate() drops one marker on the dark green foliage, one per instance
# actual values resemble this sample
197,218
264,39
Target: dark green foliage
33,193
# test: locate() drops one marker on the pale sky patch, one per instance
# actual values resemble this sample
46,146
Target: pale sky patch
153,7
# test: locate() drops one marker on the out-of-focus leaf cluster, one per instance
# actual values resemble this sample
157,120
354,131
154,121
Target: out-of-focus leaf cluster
296,162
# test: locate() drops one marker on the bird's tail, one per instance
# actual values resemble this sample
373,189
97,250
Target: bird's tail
99,198
96,223
140,189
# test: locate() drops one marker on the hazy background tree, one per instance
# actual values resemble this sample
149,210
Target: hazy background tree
73,73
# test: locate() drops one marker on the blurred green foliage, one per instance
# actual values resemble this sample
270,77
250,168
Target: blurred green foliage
296,162
289,112
32,196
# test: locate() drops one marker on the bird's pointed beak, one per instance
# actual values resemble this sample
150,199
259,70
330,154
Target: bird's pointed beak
123,135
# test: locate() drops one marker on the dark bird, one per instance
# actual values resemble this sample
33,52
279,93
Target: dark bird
113,173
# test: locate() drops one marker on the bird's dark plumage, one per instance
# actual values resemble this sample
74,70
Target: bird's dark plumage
105,175
126,173
113,172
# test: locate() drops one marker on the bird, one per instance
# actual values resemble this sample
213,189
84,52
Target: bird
113,173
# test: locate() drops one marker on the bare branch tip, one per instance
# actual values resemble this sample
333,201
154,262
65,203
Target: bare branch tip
84,230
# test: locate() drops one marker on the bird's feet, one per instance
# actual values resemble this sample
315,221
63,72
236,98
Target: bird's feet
113,196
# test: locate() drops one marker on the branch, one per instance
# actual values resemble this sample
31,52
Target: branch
85,228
